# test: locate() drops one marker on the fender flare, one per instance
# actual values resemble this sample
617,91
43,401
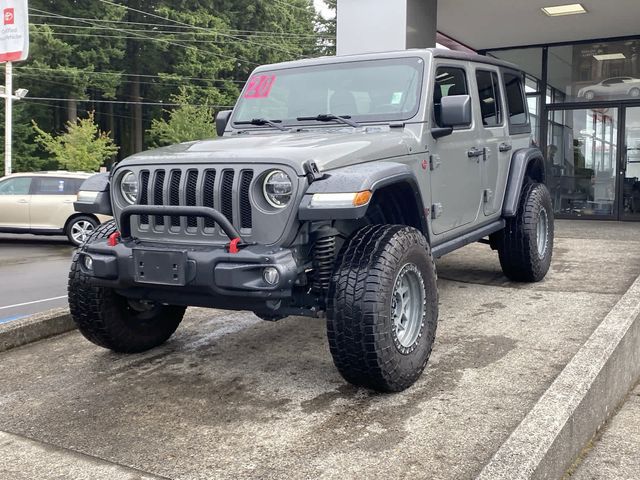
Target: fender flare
370,176
520,162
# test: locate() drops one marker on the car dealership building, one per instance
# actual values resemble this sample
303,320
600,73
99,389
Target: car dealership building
582,62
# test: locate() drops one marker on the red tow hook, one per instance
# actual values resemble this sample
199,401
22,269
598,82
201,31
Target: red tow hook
234,245
112,241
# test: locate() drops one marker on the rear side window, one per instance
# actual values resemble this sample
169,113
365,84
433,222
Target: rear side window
55,186
489,95
515,99
449,81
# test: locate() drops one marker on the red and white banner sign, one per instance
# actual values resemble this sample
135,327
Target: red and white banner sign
14,30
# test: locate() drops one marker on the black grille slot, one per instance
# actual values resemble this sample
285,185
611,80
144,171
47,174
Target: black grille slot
227,194
174,194
158,194
246,220
191,196
144,195
208,194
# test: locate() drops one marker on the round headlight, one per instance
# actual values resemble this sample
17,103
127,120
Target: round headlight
129,187
277,189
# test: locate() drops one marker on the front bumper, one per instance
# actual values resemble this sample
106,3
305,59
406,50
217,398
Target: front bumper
195,276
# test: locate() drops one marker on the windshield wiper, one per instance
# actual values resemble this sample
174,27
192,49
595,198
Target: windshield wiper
327,117
261,122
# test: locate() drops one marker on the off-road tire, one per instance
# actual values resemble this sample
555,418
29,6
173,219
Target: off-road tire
108,319
361,332
520,258
79,220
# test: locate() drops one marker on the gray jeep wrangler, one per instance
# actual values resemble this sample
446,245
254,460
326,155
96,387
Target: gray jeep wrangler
335,184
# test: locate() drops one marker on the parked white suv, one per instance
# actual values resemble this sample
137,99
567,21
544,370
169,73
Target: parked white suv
42,203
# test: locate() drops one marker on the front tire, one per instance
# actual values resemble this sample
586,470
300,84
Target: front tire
525,246
634,92
112,321
383,308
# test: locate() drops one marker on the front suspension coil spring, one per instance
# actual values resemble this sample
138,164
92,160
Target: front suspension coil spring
324,252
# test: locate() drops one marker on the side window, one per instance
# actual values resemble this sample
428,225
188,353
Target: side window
15,186
515,99
450,81
72,186
50,186
489,96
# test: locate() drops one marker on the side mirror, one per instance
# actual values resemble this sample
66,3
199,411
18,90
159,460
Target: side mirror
222,119
456,110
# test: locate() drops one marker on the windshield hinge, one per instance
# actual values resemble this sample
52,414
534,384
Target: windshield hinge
312,172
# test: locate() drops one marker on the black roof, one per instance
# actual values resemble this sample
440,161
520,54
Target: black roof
473,57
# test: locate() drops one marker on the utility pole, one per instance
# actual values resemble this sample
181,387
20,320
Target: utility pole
8,116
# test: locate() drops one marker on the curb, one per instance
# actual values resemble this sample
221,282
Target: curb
36,327
578,403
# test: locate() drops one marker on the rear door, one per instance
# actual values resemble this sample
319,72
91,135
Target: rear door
14,202
456,181
493,131
52,202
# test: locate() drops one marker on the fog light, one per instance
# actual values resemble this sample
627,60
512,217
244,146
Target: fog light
88,262
271,275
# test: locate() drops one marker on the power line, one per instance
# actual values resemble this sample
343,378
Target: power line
235,32
122,74
120,37
122,102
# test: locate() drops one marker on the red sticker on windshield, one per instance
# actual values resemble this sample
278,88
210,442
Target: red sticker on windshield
260,86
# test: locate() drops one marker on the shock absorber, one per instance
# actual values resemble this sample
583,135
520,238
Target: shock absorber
324,252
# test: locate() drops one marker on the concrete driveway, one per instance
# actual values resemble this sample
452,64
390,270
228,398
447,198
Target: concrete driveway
233,397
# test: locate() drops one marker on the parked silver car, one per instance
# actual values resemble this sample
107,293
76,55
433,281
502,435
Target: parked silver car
612,87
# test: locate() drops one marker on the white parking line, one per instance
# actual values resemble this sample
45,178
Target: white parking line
33,303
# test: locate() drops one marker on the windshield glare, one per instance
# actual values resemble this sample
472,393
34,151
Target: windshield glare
366,91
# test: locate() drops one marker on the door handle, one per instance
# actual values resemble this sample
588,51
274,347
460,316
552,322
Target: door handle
23,201
505,147
475,152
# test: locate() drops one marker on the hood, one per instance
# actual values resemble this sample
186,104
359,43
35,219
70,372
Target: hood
329,148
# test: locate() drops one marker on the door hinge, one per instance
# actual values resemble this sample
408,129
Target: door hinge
488,195
434,162
436,210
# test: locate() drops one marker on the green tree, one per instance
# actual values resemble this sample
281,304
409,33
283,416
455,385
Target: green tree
187,122
83,147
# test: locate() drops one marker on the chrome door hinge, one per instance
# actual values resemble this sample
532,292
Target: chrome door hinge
436,210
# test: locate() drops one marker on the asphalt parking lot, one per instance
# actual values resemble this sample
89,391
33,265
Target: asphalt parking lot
33,274
233,397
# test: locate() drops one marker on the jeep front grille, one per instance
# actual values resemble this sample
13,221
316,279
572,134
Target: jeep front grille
226,187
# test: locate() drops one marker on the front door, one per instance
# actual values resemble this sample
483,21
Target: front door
14,202
630,166
456,176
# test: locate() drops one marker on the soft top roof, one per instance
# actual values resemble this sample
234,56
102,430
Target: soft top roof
422,52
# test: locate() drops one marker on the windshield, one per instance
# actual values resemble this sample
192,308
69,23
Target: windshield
365,91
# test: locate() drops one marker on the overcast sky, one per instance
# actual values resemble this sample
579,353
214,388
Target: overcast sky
322,8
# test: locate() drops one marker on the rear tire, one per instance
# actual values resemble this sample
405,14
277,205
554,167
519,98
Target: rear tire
383,308
80,228
525,246
112,321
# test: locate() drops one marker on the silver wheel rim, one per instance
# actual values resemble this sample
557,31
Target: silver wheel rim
635,92
408,308
81,230
543,233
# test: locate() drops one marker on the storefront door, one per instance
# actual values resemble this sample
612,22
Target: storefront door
629,171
